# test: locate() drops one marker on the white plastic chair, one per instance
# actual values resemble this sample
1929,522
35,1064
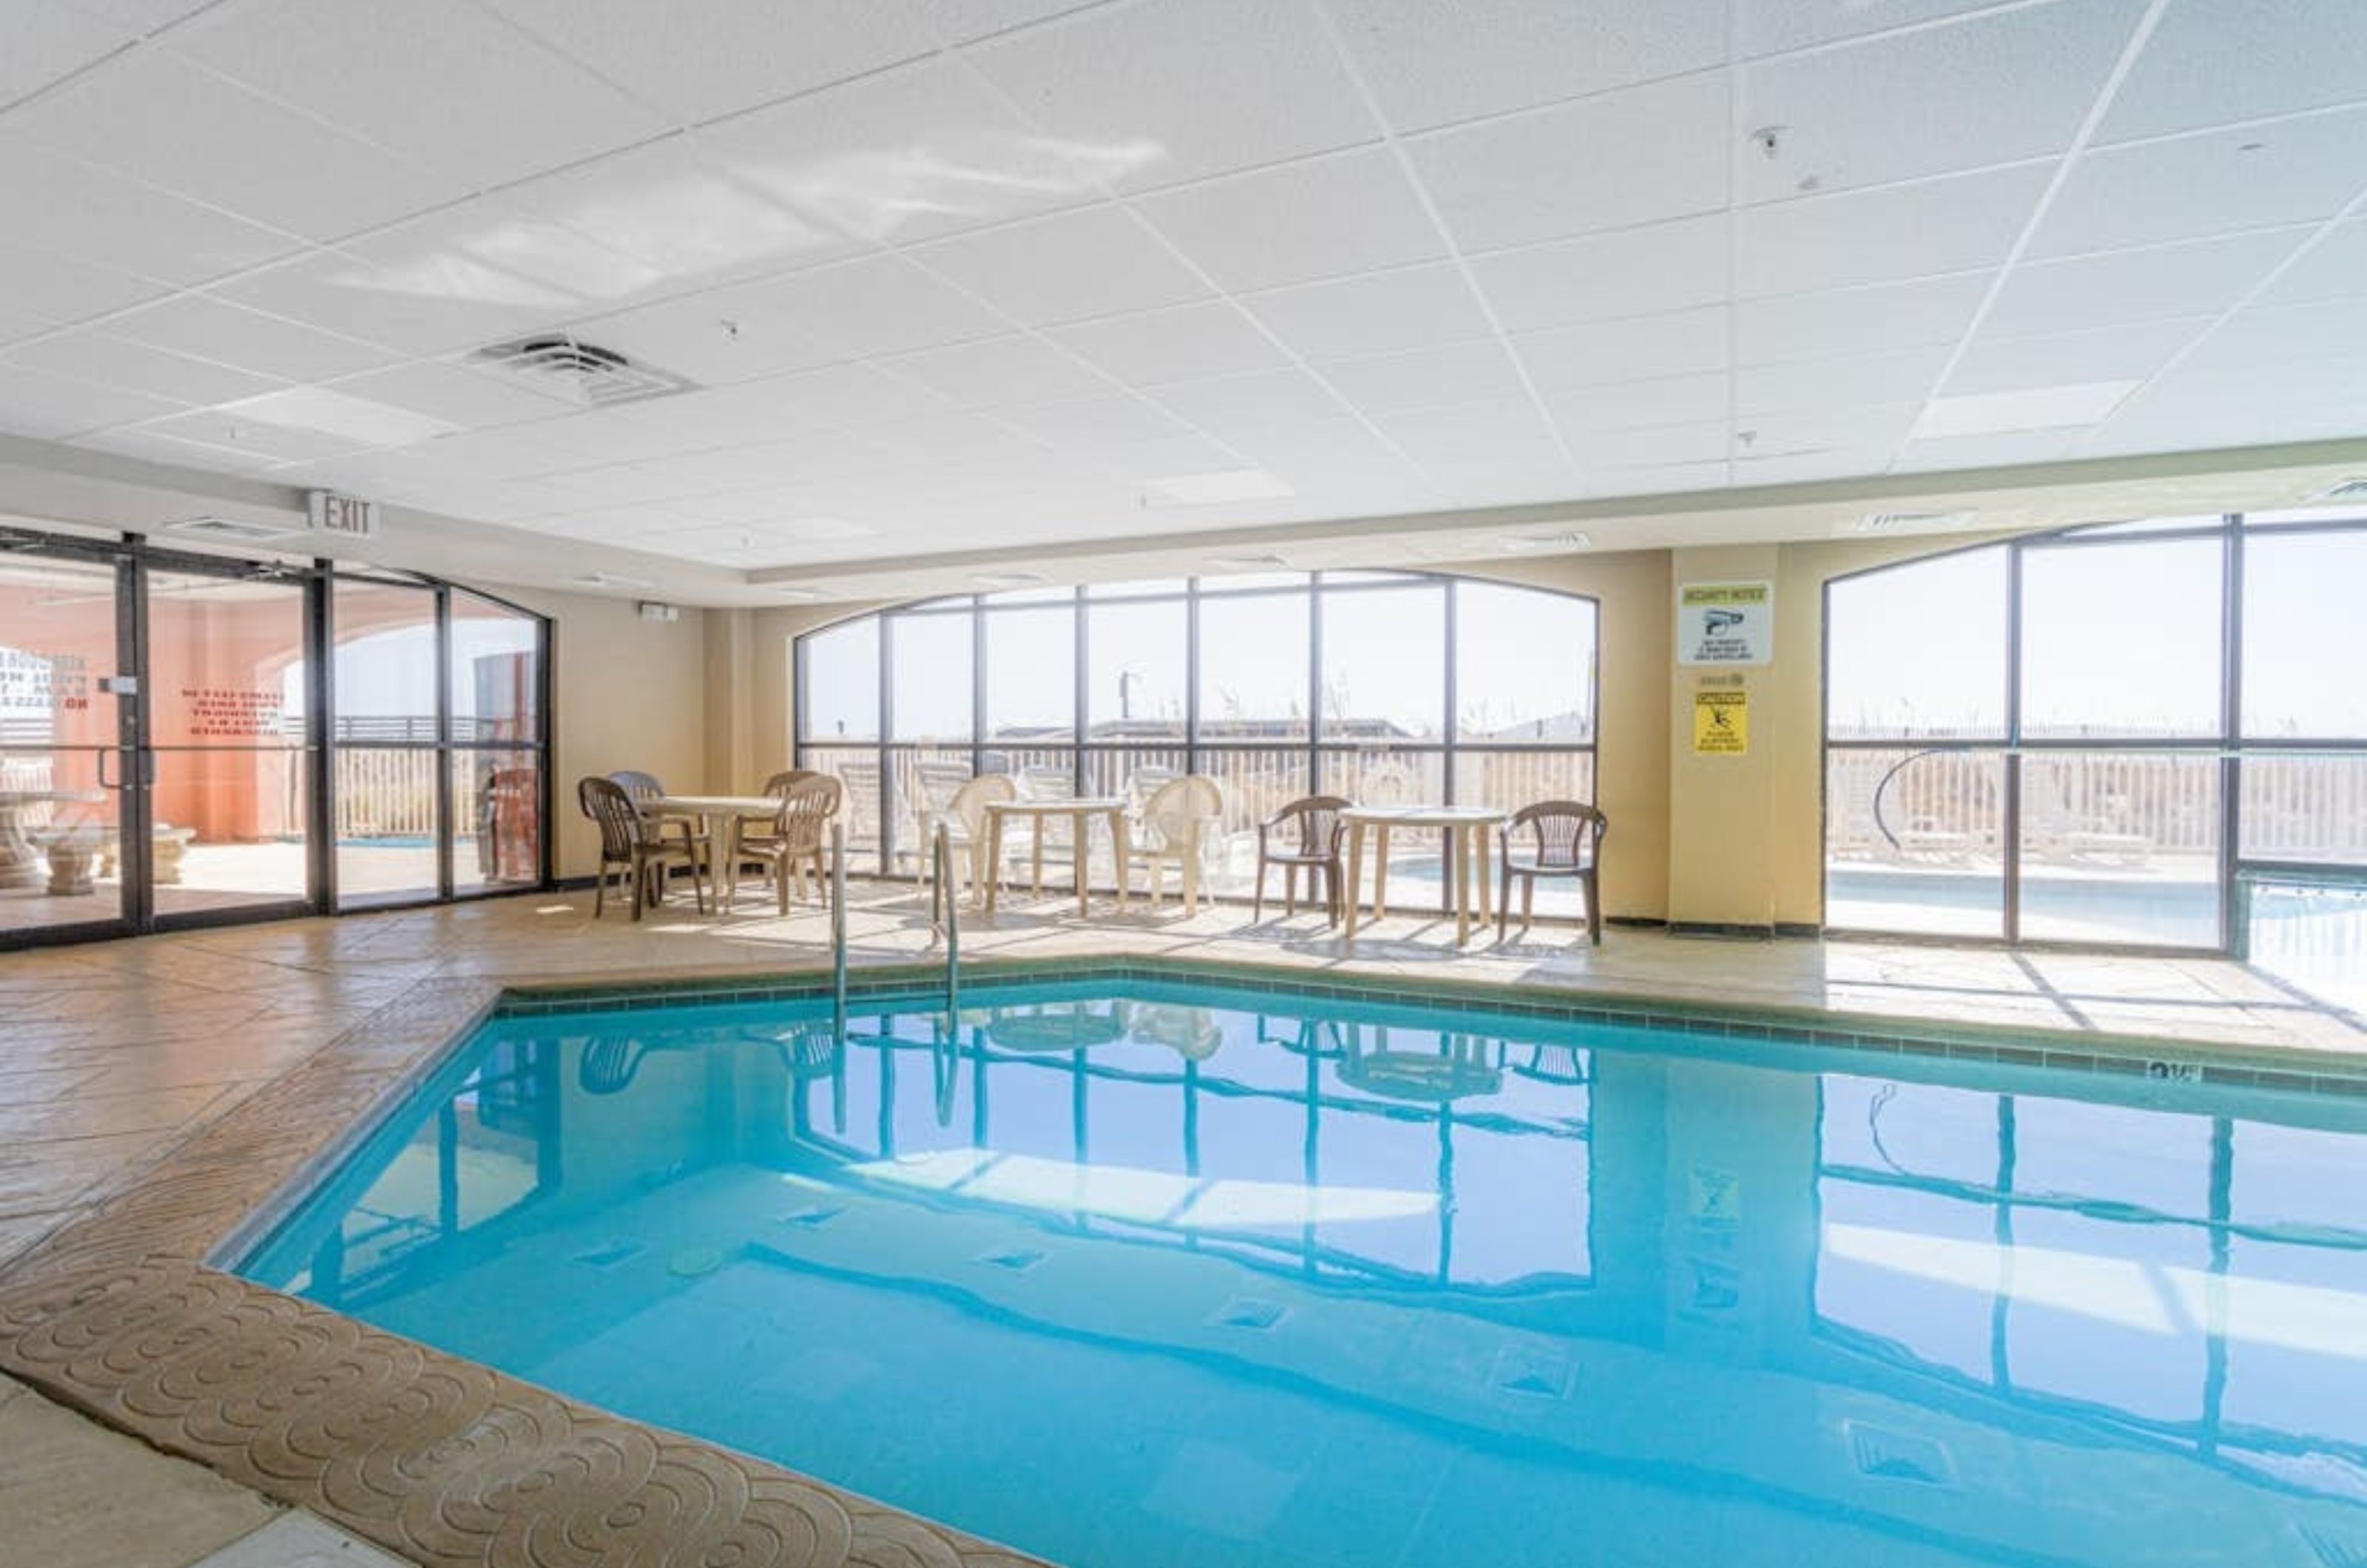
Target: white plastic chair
964,819
1179,824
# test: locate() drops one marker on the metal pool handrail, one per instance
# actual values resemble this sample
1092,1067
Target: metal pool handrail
838,931
944,916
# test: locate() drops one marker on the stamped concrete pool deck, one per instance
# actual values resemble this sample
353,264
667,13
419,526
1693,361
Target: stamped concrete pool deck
153,1092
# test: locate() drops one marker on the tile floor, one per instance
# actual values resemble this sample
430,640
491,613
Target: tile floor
112,1055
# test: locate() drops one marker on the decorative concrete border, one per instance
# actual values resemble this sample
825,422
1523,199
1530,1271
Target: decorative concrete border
456,1465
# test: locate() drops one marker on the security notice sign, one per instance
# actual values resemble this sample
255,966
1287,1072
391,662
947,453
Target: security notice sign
1725,622
1722,722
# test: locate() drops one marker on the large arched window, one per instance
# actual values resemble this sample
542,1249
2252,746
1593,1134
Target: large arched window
1380,686
2127,734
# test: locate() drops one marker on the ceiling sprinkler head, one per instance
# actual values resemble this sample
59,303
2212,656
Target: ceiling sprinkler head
1770,138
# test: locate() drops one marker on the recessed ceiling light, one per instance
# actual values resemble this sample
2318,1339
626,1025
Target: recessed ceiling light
1248,563
611,580
231,528
1892,522
340,414
1213,488
1568,539
2034,408
1008,579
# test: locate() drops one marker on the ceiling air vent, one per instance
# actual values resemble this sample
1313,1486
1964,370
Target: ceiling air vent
2346,490
231,529
1889,522
554,364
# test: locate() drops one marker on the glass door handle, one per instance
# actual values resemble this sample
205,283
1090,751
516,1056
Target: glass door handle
103,782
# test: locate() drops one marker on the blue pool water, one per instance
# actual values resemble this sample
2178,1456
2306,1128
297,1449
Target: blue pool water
1149,1274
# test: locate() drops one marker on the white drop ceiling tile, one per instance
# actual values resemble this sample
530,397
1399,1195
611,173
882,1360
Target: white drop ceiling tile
1637,155
2334,268
34,402
1180,343
1430,64
440,81
2195,277
1450,373
242,432
170,122
1347,212
1954,223
1998,451
1109,420
2189,187
1230,406
1628,272
214,329
2265,336
722,56
1928,101
877,305
1490,426
1694,442
143,17
771,465
1585,411
97,216
672,205
1130,463
925,150
1181,89
138,441
1379,312
626,484
457,394
1614,480
56,288
741,332
1096,261
1767,26
487,245
1603,354
966,21
2128,350
998,372
50,39
15,328
92,356
1857,321
1860,437
434,306
1895,376
506,454
2212,62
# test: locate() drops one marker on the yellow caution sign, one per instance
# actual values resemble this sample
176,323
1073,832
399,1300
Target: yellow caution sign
1721,723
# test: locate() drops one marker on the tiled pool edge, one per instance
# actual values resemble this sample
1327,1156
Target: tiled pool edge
448,1462
2304,1069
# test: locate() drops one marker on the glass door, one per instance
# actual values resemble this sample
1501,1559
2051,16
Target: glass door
65,735
227,760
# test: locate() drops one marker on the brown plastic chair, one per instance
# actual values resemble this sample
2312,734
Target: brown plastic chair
628,842
1312,831
799,836
644,791
1566,840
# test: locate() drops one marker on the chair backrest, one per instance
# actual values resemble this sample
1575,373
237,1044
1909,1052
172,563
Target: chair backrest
861,780
1146,781
622,826
779,783
939,783
1316,819
807,808
1566,834
1040,781
969,802
1175,813
640,788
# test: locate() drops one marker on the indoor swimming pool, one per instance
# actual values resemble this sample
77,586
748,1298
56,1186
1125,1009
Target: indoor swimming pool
1128,1272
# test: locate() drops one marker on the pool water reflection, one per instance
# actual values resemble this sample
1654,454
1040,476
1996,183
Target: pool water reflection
1169,1275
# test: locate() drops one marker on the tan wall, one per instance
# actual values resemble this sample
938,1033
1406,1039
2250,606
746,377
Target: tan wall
631,694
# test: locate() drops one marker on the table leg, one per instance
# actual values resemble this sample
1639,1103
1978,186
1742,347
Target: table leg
1462,889
729,895
1380,871
993,858
1483,851
1081,843
1121,846
1037,865
1356,899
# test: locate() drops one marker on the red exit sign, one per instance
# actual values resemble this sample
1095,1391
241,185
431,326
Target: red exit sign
342,515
